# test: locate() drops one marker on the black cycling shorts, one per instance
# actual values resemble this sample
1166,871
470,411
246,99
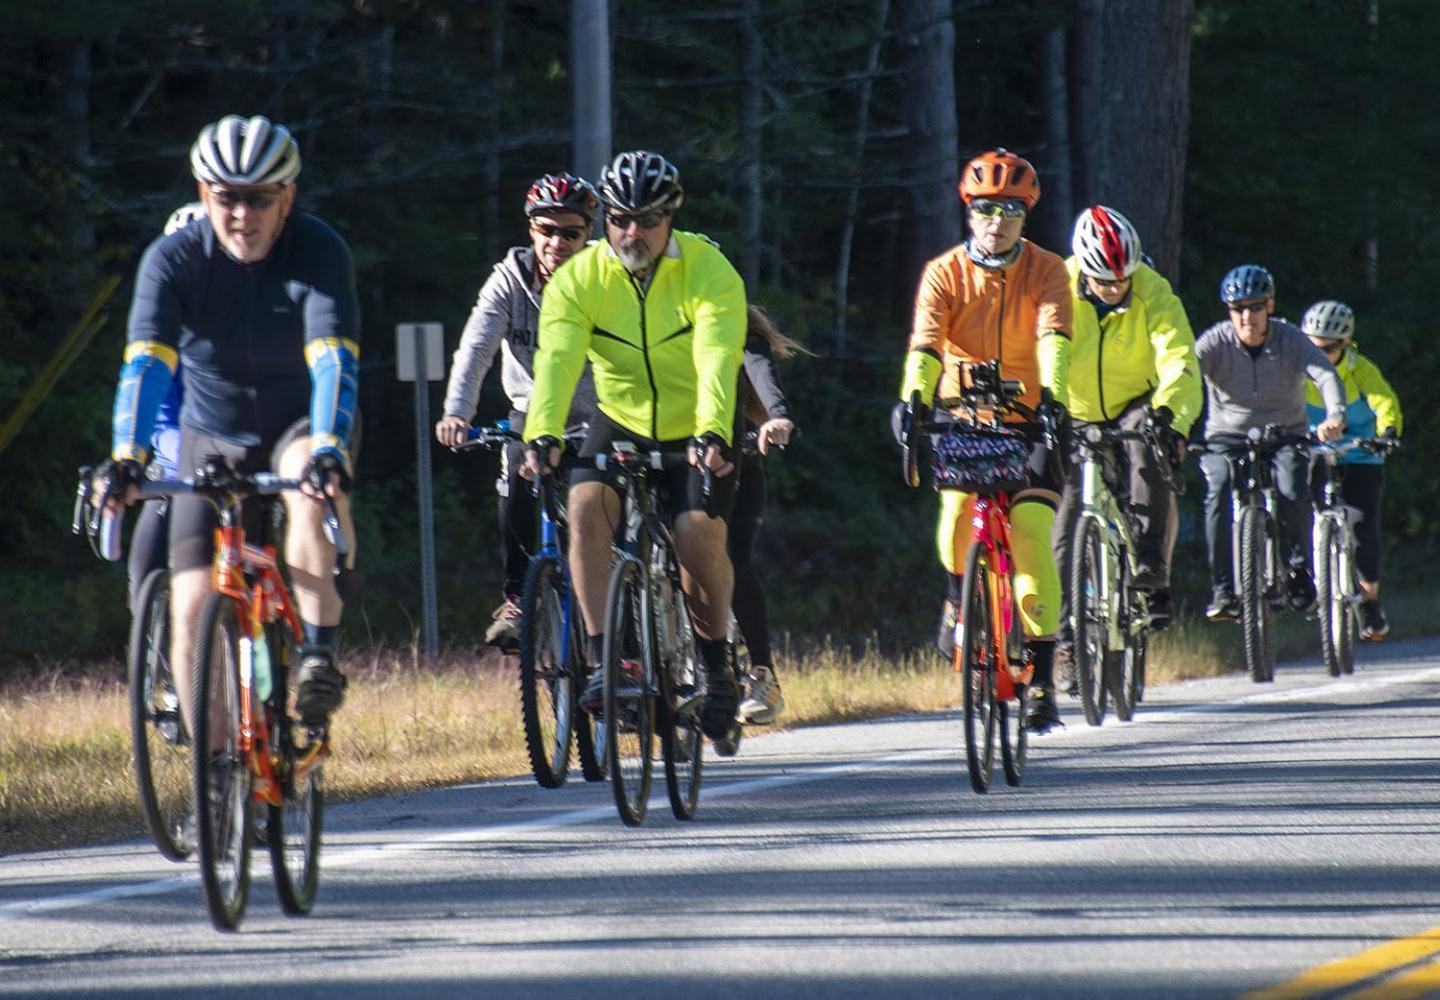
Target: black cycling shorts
681,487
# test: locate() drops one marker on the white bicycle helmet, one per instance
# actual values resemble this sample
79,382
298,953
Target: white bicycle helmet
1106,245
245,151
641,181
1329,320
183,216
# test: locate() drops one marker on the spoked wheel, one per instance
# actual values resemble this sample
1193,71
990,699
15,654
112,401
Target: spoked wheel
681,743
547,689
293,827
976,650
158,735
1257,617
629,716
1089,617
1014,736
1334,608
221,775
1124,668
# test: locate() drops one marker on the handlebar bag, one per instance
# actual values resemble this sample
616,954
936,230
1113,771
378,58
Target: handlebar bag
976,459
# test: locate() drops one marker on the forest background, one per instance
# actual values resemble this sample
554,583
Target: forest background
818,143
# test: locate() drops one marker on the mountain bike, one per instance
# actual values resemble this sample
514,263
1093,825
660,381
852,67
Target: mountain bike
552,637
160,742
1260,568
654,676
990,651
1110,619
1337,588
248,747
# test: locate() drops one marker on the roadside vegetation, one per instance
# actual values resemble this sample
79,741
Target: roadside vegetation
65,772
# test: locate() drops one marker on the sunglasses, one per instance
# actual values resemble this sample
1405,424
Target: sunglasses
991,208
1247,307
1333,347
256,201
545,229
1109,284
645,220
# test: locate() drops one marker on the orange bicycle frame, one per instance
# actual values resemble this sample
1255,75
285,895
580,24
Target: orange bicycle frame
990,526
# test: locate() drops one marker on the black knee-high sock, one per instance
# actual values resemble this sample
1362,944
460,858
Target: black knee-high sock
1042,651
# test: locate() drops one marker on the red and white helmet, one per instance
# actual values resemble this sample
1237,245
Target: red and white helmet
1106,245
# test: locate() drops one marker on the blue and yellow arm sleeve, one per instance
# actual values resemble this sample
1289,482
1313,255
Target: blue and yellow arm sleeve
334,364
145,378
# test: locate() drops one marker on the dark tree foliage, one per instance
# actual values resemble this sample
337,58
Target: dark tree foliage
423,121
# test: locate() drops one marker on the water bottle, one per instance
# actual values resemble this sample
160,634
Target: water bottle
255,653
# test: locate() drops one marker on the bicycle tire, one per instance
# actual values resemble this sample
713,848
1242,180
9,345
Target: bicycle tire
548,694
1120,676
294,827
1141,652
1349,618
221,774
1257,618
629,712
1014,734
1088,626
1329,602
159,740
682,745
976,653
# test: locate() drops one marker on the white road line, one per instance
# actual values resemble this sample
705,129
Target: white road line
575,817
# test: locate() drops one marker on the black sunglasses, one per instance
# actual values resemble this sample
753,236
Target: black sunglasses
548,231
1247,307
645,220
256,201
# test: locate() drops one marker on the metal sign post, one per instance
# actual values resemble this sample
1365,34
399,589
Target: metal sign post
420,358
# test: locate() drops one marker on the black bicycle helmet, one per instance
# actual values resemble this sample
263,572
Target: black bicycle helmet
562,192
641,181
1246,283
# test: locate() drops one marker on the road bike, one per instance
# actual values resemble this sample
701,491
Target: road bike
654,677
1109,618
1260,567
990,651
248,748
1337,587
552,660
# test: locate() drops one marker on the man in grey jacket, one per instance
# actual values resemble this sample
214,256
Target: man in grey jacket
561,209
1255,369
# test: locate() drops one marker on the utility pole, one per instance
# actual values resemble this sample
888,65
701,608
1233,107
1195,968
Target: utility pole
590,76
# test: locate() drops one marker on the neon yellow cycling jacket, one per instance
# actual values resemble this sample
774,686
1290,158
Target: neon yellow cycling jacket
1371,405
666,358
1144,347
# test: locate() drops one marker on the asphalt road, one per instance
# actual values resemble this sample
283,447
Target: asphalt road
1231,838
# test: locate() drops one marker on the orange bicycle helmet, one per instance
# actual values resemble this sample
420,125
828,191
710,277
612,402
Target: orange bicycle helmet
999,174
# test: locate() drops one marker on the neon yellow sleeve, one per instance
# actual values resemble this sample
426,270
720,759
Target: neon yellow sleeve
562,342
1173,341
1378,393
922,373
1052,352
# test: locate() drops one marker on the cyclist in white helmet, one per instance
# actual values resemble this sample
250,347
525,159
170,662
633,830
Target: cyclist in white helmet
1132,361
1371,409
258,302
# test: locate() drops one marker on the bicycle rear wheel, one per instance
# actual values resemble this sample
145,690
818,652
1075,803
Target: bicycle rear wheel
1329,601
158,735
1121,676
681,744
221,773
629,714
293,827
547,689
1257,617
1089,617
976,652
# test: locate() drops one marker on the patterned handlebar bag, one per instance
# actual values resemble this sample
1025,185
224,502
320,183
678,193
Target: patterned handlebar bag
978,459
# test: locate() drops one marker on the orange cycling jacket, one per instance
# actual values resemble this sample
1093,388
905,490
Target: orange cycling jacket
965,312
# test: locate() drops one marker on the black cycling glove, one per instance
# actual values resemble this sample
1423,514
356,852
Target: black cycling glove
318,469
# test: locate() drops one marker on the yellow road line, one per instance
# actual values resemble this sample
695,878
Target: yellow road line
1348,971
1421,982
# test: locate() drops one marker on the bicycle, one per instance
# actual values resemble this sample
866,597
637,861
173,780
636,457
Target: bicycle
247,746
1110,619
552,667
654,677
1259,564
1337,587
160,742
990,651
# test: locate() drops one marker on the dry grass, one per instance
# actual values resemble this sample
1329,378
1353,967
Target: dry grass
65,770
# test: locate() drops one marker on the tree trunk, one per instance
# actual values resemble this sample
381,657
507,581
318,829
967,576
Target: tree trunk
1056,211
1131,116
73,99
929,159
1371,249
852,195
590,57
752,129
491,224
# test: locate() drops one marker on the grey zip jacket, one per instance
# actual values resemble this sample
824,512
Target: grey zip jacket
1245,392
505,319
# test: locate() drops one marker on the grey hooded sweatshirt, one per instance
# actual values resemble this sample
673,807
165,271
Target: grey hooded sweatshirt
505,319
1268,387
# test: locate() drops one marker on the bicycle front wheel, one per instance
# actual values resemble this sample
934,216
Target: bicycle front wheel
976,652
629,713
158,735
221,773
1329,600
681,743
1257,617
547,690
1089,617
